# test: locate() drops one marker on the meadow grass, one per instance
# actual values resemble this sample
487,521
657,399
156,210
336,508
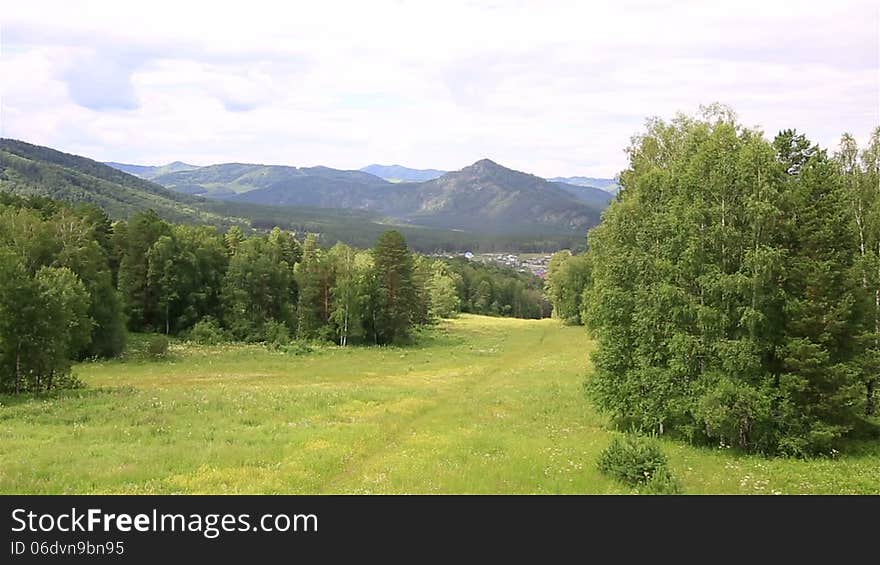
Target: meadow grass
478,405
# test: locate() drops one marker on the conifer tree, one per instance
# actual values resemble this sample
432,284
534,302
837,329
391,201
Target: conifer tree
395,289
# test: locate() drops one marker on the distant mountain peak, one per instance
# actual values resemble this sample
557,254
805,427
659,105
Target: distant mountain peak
489,168
487,163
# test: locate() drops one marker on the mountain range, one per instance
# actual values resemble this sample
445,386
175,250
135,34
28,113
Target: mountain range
484,197
150,172
398,173
33,170
482,202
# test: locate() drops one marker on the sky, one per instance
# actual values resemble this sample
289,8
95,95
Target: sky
551,88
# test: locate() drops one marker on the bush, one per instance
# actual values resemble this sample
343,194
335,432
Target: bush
638,462
157,346
207,331
298,348
663,482
277,335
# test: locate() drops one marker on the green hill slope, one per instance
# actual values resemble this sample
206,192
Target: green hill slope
32,170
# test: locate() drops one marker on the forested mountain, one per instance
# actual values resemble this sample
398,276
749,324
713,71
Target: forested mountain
589,194
488,197
398,173
32,170
484,197
226,180
150,172
482,207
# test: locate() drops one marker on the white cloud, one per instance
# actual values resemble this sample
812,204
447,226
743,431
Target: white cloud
552,88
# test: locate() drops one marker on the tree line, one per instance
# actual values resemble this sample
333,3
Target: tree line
72,283
734,287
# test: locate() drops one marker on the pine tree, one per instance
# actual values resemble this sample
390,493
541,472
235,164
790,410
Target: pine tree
395,290
314,280
141,305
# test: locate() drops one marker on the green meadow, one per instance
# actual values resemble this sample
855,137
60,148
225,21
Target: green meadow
478,405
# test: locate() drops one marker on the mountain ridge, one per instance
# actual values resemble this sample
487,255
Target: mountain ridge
33,170
150,172
399,173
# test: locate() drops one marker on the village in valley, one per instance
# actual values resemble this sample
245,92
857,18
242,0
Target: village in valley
534,263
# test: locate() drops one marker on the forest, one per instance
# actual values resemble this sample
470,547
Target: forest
733,288
73,283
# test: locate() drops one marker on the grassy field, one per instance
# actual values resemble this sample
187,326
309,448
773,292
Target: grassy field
481,405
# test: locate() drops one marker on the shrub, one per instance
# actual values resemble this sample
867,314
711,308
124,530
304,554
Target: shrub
663,482
277,335
207,331
157,346
638,462
298,348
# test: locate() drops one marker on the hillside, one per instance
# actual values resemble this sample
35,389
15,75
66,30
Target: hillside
226,180
150,172
32,170
484,197
608,185
484,207
589,194
398,173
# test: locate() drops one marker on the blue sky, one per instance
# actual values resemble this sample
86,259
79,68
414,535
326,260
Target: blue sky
553,88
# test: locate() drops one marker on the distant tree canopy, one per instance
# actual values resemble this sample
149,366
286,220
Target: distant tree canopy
494,290
734,287
568,277
71,281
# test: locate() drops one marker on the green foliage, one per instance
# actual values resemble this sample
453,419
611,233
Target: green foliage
568,277
256,289
208,331
443,292
57,302
140,234
31,170
722,293
638,462
62,266
314,277
494,290
277,335
860,172
351,292
157,346
395,307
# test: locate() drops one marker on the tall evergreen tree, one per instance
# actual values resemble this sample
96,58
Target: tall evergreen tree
395,289
314,277
141,305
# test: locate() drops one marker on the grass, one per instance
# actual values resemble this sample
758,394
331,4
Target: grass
480,405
